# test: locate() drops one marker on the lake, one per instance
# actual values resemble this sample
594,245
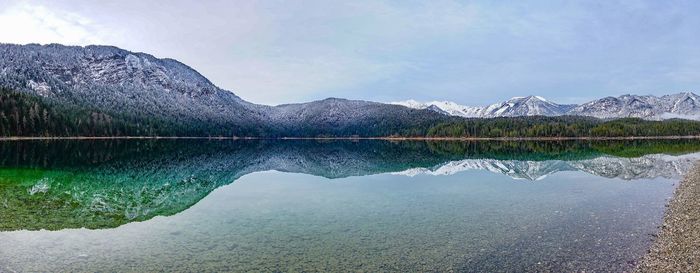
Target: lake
305,205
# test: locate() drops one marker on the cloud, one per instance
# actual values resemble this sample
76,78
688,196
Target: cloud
28,23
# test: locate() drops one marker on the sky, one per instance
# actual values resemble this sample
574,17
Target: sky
469,52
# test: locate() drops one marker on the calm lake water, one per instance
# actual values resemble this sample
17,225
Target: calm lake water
372,206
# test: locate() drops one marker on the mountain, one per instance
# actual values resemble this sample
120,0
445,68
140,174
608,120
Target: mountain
335,116
623,106
525,106
137,93
682,105
118,82
109,77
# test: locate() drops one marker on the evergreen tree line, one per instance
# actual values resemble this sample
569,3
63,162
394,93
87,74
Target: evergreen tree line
23,114
565,126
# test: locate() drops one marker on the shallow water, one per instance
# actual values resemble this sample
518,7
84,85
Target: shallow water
333,206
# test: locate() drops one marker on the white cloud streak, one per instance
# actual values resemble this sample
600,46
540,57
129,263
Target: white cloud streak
28,23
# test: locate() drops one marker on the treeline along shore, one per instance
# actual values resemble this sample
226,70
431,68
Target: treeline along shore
24,115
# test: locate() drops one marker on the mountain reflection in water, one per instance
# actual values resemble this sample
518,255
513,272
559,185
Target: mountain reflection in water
99,184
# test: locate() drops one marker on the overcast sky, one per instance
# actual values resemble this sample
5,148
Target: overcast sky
469,52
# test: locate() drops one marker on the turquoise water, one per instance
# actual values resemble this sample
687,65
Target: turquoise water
369,206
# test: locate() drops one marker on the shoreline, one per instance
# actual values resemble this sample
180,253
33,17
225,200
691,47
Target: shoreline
677,244
358,138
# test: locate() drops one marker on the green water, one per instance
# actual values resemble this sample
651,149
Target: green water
372,206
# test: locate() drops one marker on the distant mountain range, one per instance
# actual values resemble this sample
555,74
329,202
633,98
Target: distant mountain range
57,90
682,105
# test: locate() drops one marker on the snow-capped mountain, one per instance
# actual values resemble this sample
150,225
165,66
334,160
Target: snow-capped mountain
117,80
517,106
686,103
623,106
444,107
525,106
682,105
